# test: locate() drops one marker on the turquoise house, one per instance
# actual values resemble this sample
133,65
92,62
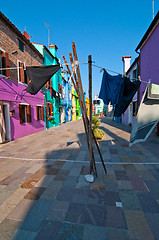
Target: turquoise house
51,104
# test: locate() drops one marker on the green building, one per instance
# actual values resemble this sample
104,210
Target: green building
51,105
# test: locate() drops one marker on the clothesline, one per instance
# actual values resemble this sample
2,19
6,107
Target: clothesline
135,79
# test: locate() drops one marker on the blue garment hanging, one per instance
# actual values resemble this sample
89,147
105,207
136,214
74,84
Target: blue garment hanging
127,92
110,88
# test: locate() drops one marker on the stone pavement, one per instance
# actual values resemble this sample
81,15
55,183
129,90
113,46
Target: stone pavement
44,194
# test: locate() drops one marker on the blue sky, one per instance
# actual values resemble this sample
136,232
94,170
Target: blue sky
107,30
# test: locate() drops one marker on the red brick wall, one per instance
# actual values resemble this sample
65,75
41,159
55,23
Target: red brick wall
9,42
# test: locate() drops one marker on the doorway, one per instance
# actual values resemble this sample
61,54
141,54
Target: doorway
5,133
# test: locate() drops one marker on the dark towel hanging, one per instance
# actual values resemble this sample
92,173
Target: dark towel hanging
110,88
127,92
39,75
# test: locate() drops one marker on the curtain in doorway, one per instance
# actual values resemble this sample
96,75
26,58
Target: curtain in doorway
2,125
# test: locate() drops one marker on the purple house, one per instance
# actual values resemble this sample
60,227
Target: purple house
21,114
148,50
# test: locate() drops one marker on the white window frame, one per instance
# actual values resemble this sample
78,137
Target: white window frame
1,71
26,104
18,69
39,109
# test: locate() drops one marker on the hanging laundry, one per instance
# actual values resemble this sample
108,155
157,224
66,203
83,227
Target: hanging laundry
39,75
127,92
148,115
110,88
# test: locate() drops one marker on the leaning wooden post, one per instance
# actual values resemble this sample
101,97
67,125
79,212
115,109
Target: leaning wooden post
81,105
82,95
90,109
85,119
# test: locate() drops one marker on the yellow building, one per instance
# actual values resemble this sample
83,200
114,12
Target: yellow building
87,106
73,103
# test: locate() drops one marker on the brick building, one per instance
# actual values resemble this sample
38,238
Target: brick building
21,114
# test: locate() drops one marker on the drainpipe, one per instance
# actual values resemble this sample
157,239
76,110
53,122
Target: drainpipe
138,98
44,90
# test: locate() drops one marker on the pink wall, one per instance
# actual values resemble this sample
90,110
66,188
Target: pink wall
12,93
149,60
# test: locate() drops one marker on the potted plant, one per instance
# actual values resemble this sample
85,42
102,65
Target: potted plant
98,133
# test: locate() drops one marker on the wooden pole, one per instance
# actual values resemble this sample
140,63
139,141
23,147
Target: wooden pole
82,96
81,89
81,105
90,108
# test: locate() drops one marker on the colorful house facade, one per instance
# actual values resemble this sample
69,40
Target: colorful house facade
73,103
67,97
77,106
145,66
98,104
148,50
87,106
21,114
52,105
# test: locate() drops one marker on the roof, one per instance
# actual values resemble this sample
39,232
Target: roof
132,65
16,30
47,50
149,31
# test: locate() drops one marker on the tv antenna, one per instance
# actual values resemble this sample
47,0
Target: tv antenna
153,8
48,32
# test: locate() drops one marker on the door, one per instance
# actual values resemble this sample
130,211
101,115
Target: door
5,134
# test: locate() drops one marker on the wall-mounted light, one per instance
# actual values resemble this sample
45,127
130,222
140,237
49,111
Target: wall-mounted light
12,113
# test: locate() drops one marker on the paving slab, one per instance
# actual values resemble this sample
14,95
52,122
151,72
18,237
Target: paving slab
44,193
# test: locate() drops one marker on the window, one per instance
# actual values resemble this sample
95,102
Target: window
49,109
39,113
135,108
4,63
96,102
21,45
24,113
23,78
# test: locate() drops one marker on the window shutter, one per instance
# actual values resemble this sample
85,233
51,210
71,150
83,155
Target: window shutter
51,108
20,114
42,113
47,84
59,88
3,64
50,83
47,109
28,80
28,113
37,113
21,72
7,64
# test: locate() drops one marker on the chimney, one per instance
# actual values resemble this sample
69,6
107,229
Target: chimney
126,63
26,35
53,49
